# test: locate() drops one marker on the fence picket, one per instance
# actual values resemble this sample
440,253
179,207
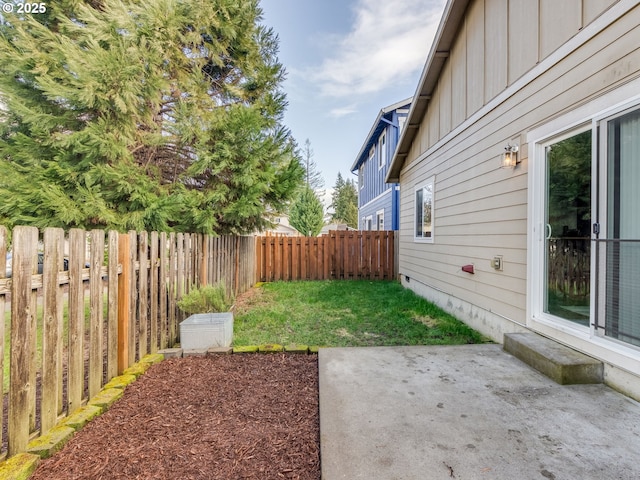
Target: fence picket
163,287
20,389
96,325
112,313
124,251
133,296
153,292
143,293
338,255
75,378
4,234
174,265
51,327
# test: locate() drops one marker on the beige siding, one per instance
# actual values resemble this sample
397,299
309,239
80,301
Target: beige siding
523,39
496,35
475,57
480,210
559,21
445,100
433,117
459,81
591,9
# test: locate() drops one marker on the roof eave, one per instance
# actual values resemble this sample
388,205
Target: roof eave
382,112
452,18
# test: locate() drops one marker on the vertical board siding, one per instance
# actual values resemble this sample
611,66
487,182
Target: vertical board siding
340,255
120,291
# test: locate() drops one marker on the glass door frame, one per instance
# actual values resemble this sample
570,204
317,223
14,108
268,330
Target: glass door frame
538,199
602,215
591,114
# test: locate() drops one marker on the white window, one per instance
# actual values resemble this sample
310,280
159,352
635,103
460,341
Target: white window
424,231
367,223
380,220
382,150
361,176
585,239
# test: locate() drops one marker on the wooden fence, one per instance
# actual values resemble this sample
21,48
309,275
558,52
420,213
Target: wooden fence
569,260
340,255
119,292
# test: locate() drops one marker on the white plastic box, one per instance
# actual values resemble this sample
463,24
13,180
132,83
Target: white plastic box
206,330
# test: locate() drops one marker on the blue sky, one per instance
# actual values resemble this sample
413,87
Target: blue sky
345,60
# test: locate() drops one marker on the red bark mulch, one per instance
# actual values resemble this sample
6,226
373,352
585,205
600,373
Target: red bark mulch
219,417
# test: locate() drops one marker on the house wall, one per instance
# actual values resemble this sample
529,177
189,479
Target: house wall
509,71
383,202
373,176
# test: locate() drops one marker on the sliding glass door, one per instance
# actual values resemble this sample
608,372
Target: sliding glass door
585,217
567,228
620,244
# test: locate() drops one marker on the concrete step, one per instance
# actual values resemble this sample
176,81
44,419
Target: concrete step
560,363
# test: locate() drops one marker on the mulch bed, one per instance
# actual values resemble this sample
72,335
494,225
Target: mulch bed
218,417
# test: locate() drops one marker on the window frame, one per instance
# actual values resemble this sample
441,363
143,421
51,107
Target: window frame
422,187
368,223
382,150
380,216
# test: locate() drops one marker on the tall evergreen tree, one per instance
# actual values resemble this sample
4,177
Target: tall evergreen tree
344,202
149,114
306,214
313,177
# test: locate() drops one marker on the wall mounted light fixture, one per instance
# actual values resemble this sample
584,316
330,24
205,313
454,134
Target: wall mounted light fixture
510,156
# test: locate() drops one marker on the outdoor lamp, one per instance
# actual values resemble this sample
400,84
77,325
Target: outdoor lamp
510,156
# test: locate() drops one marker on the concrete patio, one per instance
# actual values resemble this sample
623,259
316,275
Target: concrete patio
467,412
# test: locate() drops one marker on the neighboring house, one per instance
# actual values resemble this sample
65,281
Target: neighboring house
334,226
325,196
378,205
553,240
281,228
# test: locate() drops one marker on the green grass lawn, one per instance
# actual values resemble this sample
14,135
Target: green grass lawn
344,313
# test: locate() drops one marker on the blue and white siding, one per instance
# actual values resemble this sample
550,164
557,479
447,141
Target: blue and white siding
383,205
375,197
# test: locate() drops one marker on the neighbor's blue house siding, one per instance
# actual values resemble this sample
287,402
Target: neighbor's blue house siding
388,203
374,194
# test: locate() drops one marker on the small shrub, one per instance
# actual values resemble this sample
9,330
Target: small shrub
207,299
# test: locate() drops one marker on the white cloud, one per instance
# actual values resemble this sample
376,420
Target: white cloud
388,42
343,111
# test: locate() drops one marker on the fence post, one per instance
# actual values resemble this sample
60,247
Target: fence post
204,260
124,281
